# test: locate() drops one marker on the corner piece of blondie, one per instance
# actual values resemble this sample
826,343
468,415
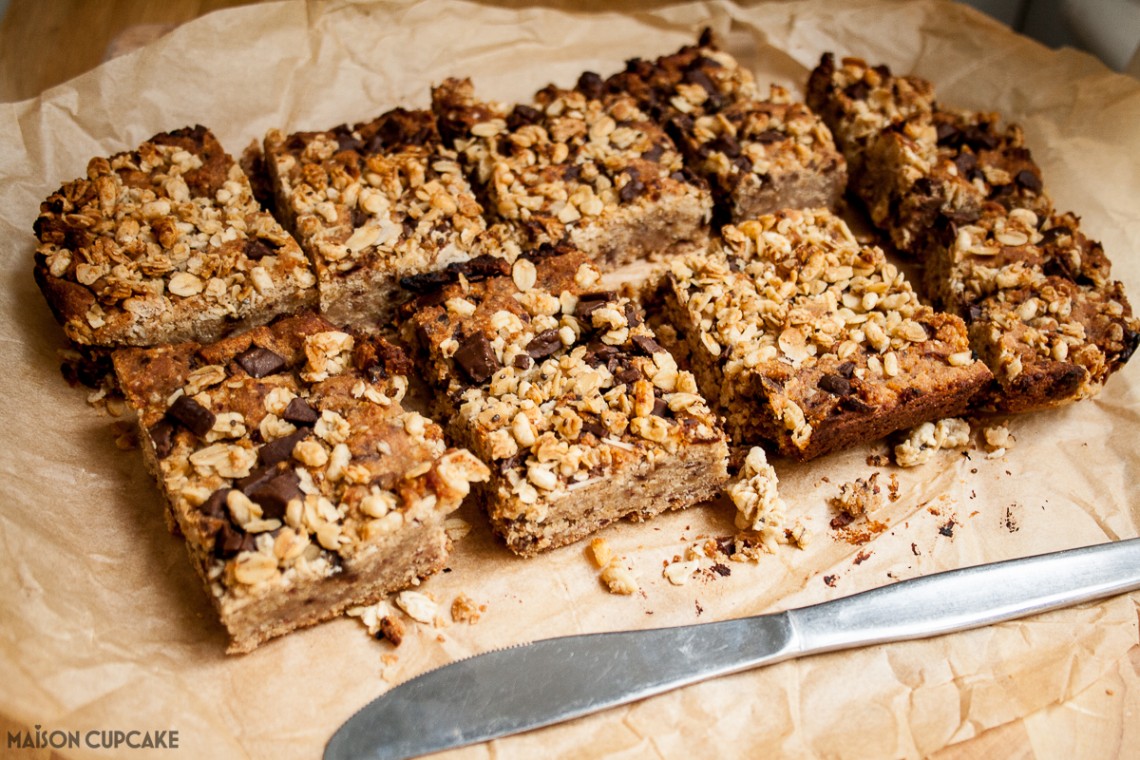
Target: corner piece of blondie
285,459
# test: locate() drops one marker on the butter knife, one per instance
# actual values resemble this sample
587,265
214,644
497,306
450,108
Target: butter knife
532,685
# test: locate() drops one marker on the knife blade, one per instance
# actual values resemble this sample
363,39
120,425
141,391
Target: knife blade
553,680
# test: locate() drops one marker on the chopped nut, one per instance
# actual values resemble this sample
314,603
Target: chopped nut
419,607
600,549
618,578
464,610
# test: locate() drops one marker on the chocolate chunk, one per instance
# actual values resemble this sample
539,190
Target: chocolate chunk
646,345
856,404
654,153
280,449
231,540
627,375
967,164
275,494
660,407
769,136
857,90
523,115
476,269
381,359
699,77
632,189
259,362
594,427
599,353
215,506
257,478
476,358
571,172
299,412
588,303
946,133
707,39
191,415
522,361
835,385
162,436
346,139
726,144
632,317
846,369
1029,180
256,248
883,70
544,344
591,85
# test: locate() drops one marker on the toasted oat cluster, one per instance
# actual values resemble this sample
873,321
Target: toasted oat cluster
562,390
759,508
596,172
301,485
758,154
371,204
964,194
805,339
165,243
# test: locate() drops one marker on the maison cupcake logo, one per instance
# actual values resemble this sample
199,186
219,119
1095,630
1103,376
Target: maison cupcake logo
95,738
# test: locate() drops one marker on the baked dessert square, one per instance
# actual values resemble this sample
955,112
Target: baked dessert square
808,342
1043,310
561,389
597,173
759,154
163,244
300,484
370,204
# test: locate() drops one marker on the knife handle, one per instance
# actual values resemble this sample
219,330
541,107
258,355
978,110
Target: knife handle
968,598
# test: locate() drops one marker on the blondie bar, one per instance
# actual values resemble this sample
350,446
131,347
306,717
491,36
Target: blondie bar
165,243
562,390
804,339
285,459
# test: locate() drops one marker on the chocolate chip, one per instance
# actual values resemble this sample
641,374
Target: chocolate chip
280,449
769,136
882,70
544,344
300,413
476,358
256,248
632,317
259,362
191,415
699,77
599,353
256,478
660,407
846,369
591,85
654,153
835,384
946,133
966,163
726,144
1029,180
856,404
522,361
162,437
646,345
275,494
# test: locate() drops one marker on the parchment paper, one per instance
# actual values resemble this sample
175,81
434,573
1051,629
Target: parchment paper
104,626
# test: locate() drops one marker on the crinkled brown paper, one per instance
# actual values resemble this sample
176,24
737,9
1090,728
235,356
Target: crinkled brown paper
104,624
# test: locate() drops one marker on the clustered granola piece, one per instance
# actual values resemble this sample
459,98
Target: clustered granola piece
963,193
573,166
285,459
371,204
758,154
165,243
562,390
927,439
805,339
755,494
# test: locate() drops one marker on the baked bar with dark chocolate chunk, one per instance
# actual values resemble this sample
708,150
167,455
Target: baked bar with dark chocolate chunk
596,173
804,339
285,459
165,243
561,389
758,154
370,204
1043,310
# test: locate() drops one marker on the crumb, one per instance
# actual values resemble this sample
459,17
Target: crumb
893,488
947,528
876,460
862,557
464,610
700,609
830,580
759,506
926,439
915,550
998,441
456,528
857,498
618,578
601,552
680,571
391,628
